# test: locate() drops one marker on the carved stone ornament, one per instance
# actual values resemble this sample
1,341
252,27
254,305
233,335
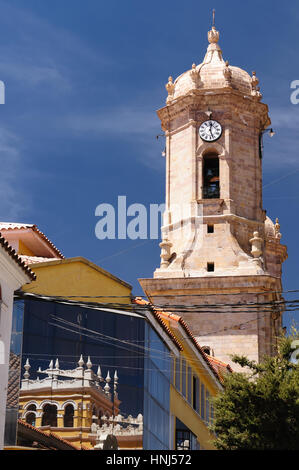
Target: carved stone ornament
277,229
170,89
227,74
165,246
256,245
194,76
213,35
255,89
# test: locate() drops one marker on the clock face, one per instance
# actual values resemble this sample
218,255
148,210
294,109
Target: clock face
210,130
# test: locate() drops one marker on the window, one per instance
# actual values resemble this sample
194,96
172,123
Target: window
210,228
178,373
68,420
172,365
211,176
184,377
206,349
31,407
210,267
184,438
30,419
189,381
49,417
202,402
195,400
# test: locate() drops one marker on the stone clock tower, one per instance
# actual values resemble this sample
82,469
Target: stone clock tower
221,255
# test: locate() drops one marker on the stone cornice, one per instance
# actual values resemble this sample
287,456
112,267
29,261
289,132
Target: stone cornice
232,99
212,285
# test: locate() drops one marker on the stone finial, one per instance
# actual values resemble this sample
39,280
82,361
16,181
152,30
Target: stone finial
89,363
81,362
108,380
27,366
213,35
256,245
51,364
194,75
170,89
254,80
165,246
255,90
57,364
214,53
227,74
99,374
277,229
115,383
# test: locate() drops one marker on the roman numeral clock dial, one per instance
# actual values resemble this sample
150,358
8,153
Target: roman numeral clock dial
210,131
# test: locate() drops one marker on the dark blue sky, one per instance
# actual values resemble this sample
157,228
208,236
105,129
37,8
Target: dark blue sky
83,81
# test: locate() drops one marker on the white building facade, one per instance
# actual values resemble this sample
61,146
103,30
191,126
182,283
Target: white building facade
13,274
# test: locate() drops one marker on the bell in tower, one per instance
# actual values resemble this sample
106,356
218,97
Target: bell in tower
221,256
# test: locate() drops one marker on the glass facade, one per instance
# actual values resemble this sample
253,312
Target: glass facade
45,330
14,374
184,438
157,375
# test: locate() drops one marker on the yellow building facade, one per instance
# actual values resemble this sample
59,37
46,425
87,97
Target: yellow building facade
67,402
196,377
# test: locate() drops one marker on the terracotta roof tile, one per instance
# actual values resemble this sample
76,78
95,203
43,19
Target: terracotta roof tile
216,366
140,301
34,228
49,434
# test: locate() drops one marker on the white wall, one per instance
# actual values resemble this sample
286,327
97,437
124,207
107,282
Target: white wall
12,277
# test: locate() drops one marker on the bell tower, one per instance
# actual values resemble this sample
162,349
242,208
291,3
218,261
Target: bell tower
221,255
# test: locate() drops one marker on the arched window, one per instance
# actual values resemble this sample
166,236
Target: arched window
211,188
30,419
31,407
68,420
49,417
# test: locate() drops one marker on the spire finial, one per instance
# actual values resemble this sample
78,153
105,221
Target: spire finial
27,366
213,34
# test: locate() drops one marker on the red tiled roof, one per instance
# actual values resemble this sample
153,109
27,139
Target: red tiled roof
216,366
220,367
50,434
140,301
14,255
34,228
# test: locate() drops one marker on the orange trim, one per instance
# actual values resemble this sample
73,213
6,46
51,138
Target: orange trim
161,313
14,255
